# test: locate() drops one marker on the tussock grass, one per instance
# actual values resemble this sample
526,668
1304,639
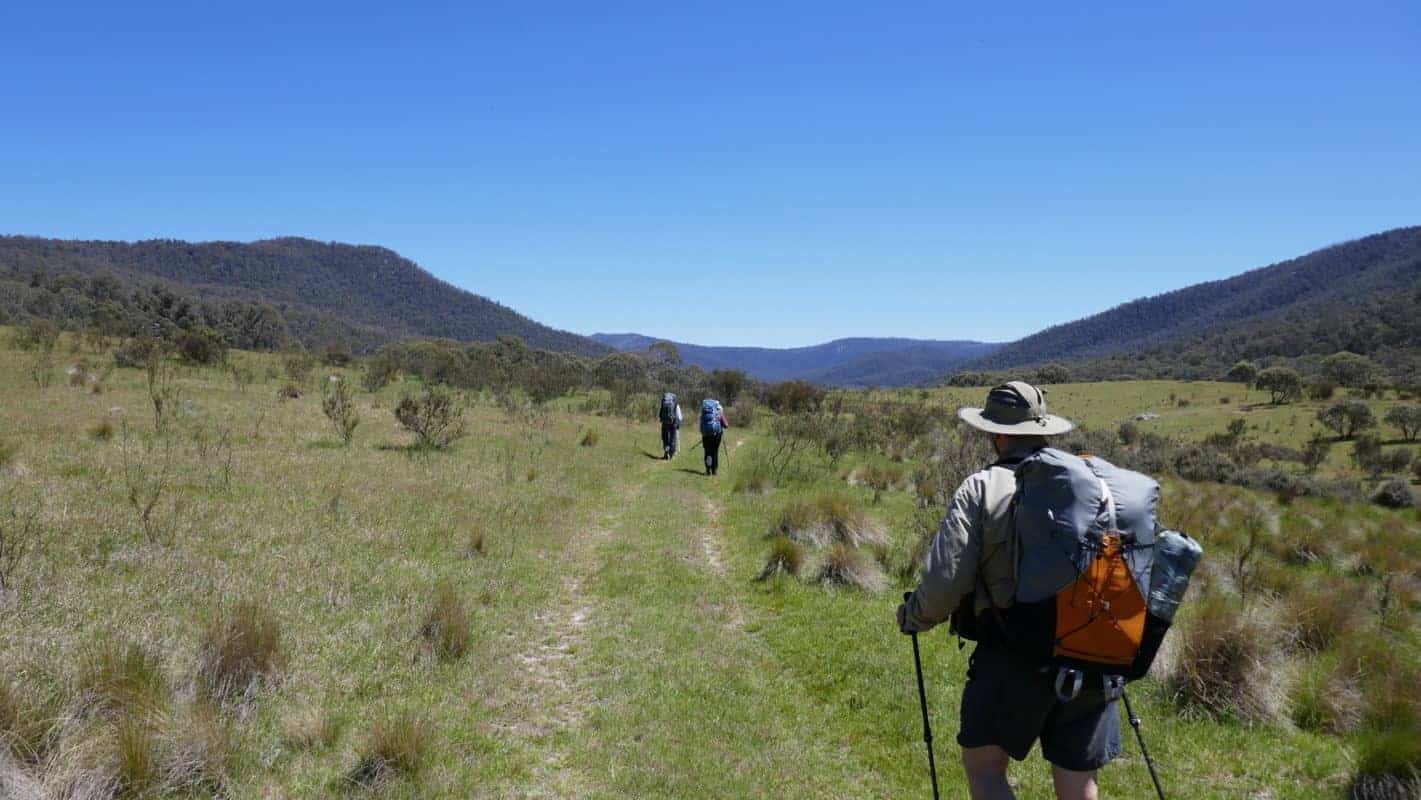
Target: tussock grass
752,482
1327,699
120,677
102,430
786,558
445,629
1389,765
1225,663
590,437
311,729
30,715
1316,613
137,761
477,544
395,745
239,646
198,750
845,565
9,448
829,518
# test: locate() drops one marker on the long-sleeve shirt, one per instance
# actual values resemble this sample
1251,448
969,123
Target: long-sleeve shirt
974,547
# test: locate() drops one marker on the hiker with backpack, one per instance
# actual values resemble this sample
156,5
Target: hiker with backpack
1052,563
713,427
670,416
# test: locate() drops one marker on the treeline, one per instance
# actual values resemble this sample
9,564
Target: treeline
1335,284
367,295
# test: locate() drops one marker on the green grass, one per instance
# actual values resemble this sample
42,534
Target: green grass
617,642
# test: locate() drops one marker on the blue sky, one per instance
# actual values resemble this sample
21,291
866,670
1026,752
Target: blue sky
730,173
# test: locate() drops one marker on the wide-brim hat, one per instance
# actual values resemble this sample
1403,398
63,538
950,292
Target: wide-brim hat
1016,409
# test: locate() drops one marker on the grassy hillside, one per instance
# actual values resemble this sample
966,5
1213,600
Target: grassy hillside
546,609
1318,304
321,289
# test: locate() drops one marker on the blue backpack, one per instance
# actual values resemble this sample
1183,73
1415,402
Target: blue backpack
710,418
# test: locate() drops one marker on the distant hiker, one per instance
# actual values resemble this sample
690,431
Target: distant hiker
713,426
670,424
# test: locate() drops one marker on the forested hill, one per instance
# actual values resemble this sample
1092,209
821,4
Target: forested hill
367,293
862,361
1276,306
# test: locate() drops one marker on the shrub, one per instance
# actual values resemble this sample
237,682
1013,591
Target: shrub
1395,493
137,352
338,404
336,354
794,397
1283,384
1203,463
102,430
1224,665
445,629
589,438
288,392
394,745
201,345
298,367
786,558
846,566
433,417
743,413
1322,389
238,647
1129,433
378,374
753,481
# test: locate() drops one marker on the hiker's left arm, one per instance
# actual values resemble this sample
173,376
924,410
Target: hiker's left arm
950,572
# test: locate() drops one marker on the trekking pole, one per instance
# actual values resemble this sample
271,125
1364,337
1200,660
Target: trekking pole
923,703
1135,723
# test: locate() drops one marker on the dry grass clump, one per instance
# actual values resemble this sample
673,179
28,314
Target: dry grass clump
879,478
1389,765
1225,663
590,437
445,629
121,677
845,565
29,718
238,647
137,762
1319,611
786,558
8,450
198,750
477,544
1327,698
101,431
752,482
311,729
827,519
394,746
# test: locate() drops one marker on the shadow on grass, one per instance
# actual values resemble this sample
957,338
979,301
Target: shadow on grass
652,456
690,471
412,450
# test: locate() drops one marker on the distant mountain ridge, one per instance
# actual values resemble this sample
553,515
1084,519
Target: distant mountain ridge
1228,318
364,292
859,361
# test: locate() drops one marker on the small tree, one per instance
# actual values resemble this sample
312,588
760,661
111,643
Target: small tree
339,406
1347,418
201,345
1283,384
727,384
1315,453
1321,389
665,353
1406,418
1242,372
1349,369
433,417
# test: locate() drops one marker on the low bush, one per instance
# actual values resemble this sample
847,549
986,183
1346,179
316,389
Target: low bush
338,404
395,745
829,518
433,417
590,437
445,629
288,392
786,558
239,647
1326,700
752,482
1395,493
1321,611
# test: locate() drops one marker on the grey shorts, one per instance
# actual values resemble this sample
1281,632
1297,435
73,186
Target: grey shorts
1010,704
